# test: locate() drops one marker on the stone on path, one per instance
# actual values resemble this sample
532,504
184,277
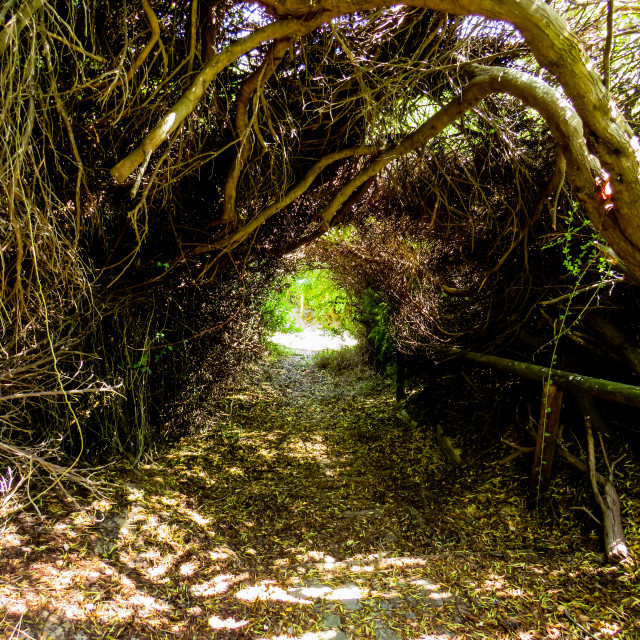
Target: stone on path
351,604
331,621
385,633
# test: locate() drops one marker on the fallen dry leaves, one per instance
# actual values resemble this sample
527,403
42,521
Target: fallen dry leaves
306,510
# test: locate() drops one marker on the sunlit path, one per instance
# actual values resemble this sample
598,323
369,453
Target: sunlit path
313,339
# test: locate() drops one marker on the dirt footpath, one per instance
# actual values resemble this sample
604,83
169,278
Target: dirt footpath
305,511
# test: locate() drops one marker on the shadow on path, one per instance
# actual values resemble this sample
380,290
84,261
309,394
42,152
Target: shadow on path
305,511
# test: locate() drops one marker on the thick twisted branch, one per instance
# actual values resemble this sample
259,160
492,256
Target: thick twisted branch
555,47
282,29
253,82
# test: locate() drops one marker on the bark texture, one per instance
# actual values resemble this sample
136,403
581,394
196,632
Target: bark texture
616,391
187,103
614,541
548,427
607,134
253,83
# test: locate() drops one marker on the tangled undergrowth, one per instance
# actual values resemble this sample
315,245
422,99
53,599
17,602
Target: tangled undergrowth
159,159
305,509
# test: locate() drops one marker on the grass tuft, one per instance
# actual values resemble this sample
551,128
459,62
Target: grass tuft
350,358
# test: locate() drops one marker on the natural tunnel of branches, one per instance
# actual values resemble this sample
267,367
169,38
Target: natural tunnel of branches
475,163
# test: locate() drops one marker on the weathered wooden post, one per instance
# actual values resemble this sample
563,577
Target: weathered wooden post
400,376
547,436
548,427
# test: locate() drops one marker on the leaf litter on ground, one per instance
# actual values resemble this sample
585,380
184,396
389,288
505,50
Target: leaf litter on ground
306,510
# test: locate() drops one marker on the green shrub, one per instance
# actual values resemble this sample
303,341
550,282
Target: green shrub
309,295
277,351
278,314
321,300
376,316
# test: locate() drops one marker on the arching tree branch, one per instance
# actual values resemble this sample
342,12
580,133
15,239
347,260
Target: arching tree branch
281,29
155,36
557,112
561,118
556,48
607,133
252,83
18,22
235,239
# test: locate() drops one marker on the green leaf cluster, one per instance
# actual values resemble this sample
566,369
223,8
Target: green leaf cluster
312,296
376,315
578,244
278,314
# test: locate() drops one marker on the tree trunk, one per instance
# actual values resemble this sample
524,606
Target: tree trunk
616,548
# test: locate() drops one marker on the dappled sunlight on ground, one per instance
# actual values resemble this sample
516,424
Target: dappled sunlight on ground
320,519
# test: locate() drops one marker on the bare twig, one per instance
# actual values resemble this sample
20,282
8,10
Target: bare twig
57,471
608,45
